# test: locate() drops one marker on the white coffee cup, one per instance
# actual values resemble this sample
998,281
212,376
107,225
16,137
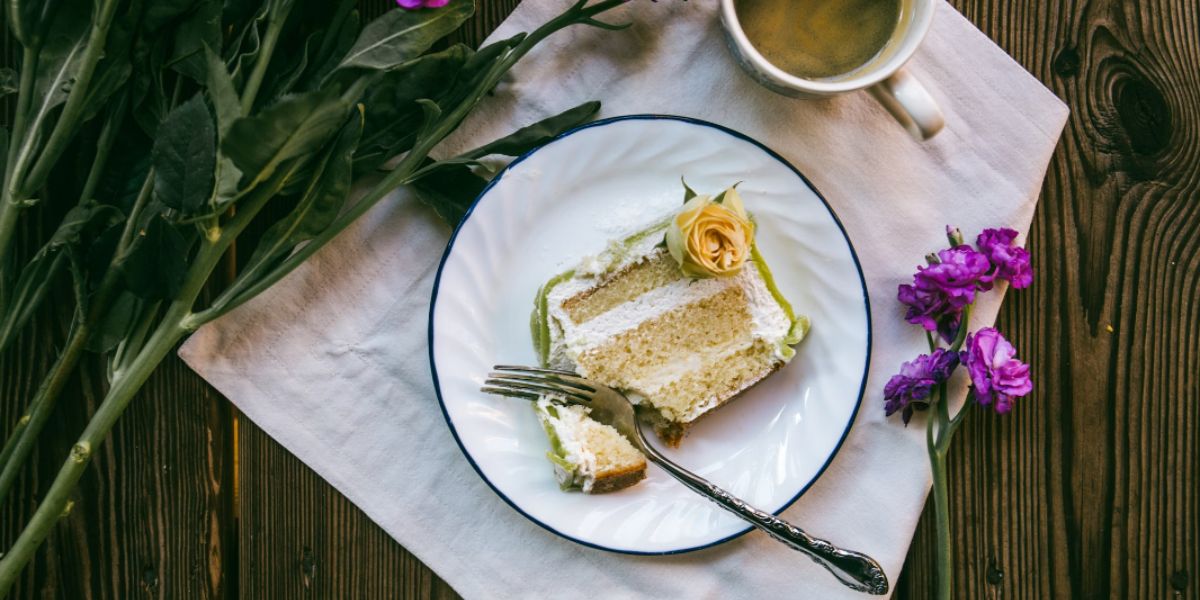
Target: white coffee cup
898,91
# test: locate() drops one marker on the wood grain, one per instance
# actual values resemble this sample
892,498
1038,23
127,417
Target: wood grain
153,516
1090,489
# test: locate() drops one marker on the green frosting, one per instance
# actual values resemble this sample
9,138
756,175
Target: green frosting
539,321
800,323
765,272
558,454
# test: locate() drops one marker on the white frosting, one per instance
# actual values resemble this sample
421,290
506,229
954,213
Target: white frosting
769,321
566,425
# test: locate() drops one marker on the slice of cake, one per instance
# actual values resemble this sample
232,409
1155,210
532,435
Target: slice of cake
682,316
588,456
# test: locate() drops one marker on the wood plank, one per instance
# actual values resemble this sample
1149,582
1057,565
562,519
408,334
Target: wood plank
1089,489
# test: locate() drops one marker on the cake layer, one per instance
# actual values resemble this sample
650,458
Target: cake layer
657,352
654,272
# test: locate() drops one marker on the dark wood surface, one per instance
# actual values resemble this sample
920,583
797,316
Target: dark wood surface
1090,489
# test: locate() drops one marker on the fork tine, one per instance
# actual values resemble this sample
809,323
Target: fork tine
545,379
510,393
562,376
536,388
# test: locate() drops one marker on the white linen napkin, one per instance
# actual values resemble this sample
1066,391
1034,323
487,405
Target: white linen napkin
332,361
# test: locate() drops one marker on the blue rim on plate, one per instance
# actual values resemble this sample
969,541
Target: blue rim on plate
600,123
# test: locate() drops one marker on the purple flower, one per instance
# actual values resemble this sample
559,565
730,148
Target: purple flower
996,374
909,389
415,4
1011,262
959,272
942,289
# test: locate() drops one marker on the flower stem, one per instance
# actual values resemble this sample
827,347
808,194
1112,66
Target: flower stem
10,204
936,446
20,443
274,28
961,335
68,120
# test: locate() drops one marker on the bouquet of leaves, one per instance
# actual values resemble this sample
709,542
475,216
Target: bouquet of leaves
164,130
940,300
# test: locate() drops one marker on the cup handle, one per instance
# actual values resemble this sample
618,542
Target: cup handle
908,101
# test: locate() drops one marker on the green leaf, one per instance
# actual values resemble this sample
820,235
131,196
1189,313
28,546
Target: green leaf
8,82
34,282
282,80
430,111
402,35
392,113
150,100
114,71
688,192
125,169
38,275
338,46
161,12
115,323
110,77
201,28
478,65
58,67
450,191
88,215
294,126
184,156
247,47
220,91
157,261
527,138
329,184
229,109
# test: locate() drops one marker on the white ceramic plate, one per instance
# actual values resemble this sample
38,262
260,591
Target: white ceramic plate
566,200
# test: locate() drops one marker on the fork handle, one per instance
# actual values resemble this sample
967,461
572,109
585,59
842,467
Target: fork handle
854,569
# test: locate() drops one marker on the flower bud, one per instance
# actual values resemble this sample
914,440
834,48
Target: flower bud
954,236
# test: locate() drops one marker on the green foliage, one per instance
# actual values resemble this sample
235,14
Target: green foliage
450,191
208,111
328,186
201,28
294,126
66,244
401,35
529,137
392,112
184,157
157,261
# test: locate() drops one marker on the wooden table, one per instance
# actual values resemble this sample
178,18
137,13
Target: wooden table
1090,489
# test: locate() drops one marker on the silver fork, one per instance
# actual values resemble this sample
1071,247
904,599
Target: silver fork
854,569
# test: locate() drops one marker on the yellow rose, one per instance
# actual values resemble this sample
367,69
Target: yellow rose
711,237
